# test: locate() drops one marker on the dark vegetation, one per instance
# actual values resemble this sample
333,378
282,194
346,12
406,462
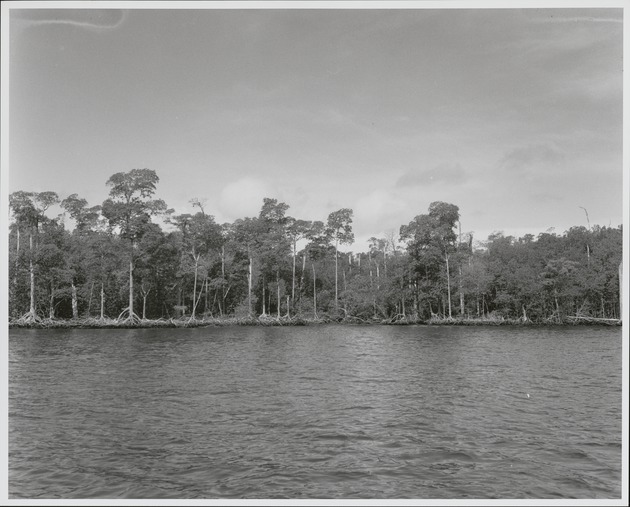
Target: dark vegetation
118,268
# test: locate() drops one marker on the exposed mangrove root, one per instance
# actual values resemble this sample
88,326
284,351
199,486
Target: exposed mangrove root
580,319
28,318
132,317
30,321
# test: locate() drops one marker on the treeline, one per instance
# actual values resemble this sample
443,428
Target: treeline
118,263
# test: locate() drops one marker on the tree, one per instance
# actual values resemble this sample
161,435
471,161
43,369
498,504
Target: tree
29,210
445,217
339,227
200,236
234,281
431,237
606,257
156,268
54,264
86,220
103,259
557,279
130,208
245,233
296,230
273,244
316,251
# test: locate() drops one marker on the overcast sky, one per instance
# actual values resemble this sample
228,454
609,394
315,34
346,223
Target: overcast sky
514,115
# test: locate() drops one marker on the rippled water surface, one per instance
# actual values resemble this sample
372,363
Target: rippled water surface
316,412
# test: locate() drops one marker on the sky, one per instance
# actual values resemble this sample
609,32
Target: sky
514,115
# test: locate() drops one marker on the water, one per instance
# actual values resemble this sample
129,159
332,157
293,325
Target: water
316,412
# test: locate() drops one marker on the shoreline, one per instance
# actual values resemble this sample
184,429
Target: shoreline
97,323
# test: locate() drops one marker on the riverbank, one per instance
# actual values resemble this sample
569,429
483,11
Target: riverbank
187,322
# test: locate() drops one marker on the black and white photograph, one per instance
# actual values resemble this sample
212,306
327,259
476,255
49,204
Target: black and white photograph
351,253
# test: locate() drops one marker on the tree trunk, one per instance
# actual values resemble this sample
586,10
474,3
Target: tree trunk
17,259
32,274
293,276
75,306
461,294
263,297
51,311
302,276
222,276
278,286
249,286
205,303
555,298
620,290
372,286
102,301
89,308
416,307
448,286
336,274
402,300
194,300
314,292
131,286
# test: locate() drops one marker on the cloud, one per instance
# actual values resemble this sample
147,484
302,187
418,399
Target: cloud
572,15
580,19
243,198
530,157
92,19
378,211
546,198
452,173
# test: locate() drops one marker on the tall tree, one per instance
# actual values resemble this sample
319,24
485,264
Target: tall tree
339,227
246,233
156,267
296,230
431,237
445,217
316,251
130,207
29,210
86,219
54,266
273,244
201,235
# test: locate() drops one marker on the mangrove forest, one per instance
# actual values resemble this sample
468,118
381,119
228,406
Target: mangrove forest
117,264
